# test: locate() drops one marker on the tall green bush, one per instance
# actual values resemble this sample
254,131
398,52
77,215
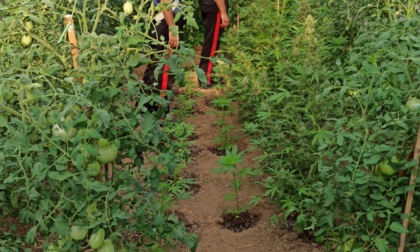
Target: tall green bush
323,87
56,119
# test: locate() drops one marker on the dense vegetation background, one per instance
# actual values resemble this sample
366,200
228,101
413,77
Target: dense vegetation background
323,86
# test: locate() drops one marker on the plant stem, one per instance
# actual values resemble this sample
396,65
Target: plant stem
236,190
12,111
85,26
40,40
98,16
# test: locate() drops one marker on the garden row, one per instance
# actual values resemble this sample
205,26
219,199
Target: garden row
323,87
83,163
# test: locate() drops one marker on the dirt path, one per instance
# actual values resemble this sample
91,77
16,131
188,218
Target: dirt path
203,210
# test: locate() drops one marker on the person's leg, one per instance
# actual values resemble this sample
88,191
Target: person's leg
212,35
157,32
149,79
165,79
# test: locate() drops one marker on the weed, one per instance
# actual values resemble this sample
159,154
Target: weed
230,164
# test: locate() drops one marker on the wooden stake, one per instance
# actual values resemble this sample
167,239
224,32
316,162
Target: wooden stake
410,194
72,38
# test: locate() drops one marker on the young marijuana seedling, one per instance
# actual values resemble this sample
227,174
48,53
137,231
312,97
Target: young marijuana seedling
230,164
224,138
185,107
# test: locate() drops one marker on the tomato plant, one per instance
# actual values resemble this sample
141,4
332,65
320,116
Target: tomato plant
54,111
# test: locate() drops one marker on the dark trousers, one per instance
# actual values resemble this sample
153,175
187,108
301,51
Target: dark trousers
212,34
165,79
159,31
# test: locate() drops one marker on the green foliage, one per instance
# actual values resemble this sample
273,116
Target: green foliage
225,137
230,164
185,106
323,92
54,117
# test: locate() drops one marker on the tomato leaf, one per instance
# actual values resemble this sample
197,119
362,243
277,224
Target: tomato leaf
381,245
30,236
3,122
342,179
48,3
398,227
340,140
60,176
134,60
61,226
134,40
383,148
37,19
329,196
105,117
147,124
95,185
93,133
374,159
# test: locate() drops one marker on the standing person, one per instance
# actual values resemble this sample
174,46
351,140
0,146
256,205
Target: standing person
166,27
215,16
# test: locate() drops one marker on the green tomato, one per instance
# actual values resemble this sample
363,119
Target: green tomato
83,150
71,133
97,239
93,169
386,169
413,104
107,153
78,233
28,26
347,246
26,40
64,135
128,8
58,131
107,246
52,248
102,142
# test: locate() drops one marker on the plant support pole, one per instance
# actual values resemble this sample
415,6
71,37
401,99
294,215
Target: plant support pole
72,38
410,194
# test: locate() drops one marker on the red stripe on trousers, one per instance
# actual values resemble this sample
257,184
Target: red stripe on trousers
165,75
213,46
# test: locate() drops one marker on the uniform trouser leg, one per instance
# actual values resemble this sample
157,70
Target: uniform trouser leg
165,80
161,30
212,35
